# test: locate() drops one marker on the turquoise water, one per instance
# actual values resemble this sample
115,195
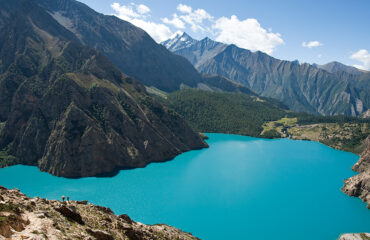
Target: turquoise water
239,188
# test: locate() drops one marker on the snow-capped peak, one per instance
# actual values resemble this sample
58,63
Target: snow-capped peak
178,41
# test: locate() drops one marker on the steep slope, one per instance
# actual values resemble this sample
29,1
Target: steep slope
302,87
67,109
215,83
197,52
359,185
128,47
334,67
22,217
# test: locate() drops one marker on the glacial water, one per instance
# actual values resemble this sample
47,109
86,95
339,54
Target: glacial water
239,188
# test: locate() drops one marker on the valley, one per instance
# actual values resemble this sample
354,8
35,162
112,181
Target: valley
221,138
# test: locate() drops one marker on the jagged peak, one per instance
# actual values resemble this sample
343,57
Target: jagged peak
176,35
178,41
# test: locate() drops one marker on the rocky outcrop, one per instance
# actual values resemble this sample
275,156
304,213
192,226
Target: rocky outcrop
68,110
35,218
70,213
359,185
355,236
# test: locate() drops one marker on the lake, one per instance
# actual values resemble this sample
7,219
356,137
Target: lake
239,188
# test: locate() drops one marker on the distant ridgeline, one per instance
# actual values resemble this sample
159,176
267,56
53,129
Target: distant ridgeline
331,89
239,113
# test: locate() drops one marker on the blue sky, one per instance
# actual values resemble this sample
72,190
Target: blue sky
334,30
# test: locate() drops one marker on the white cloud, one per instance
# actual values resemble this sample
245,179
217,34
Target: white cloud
312,44
195,18
176,21
142,9
362,56
247,34
319,55
137,15
184,8
125,12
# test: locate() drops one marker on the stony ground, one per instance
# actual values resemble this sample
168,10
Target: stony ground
355,236
22,217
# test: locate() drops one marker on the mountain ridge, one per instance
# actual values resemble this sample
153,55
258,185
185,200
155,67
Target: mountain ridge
335,66
67,109
302,87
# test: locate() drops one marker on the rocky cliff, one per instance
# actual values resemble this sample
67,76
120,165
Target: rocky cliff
66,108
359,185
22,217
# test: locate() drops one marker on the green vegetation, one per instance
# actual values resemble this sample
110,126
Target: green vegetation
243,114
305,118
2,125
5,158
155,91
344,136
234,113
364,236
341,132
271,133
10,207
277,129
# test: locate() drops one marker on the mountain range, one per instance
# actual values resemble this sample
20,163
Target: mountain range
334,67
331,89
130,48
66,108
73,88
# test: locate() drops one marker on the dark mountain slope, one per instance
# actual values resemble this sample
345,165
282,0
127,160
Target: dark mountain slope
128,47
67,109
302,87
215,83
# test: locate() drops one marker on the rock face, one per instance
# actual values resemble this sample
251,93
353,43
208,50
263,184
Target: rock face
66,108
359,185
301,87
355,236
25,218
334,67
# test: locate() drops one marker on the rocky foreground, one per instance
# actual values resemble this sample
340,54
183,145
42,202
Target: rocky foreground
22,217
359,185
355,236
